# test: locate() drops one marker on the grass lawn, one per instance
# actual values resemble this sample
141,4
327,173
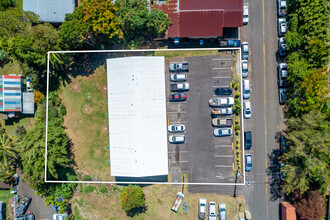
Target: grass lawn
97,205
11,124
86,123
5,196
183,53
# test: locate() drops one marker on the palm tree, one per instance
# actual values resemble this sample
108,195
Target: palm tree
8,155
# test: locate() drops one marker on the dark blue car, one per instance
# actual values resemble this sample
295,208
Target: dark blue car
24,205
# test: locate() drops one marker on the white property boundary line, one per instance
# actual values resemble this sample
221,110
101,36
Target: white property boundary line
146,183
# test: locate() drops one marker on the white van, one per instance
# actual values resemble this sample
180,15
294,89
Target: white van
245,13
247,109
246,89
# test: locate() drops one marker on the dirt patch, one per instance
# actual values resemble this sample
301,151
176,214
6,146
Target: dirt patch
75,86
87,109
31,121
103,89
104,129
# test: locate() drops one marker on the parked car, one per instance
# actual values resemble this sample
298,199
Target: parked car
217,122
221,111
175,67
282,96
222,132
245,13
176,128
223,91
281,26
23,206
222,211
26,217
212,211
178,97
60,216
217,102
202,208
248,140
281,6
281,171
245,68
176,139
247,109
245,50
246,89
180,87
282,144
28,84
178,77
282,46
248,162
282,75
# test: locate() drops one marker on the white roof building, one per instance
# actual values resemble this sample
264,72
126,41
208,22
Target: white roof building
52,11
137,116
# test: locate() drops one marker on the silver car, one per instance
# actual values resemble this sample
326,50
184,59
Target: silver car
222,210
222,132
245,68
178,77
247,109
176,128
281,26
176,139
245,50
248,162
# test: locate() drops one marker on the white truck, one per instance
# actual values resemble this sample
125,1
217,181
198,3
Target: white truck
281,4
177,202
175,67
180,87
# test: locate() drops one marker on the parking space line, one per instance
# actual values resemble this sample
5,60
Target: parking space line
222,146
221,68
171,152
222,77
224,59
217,155
177,112
220,86
222,166
179,122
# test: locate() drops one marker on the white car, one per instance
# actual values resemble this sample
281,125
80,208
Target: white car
281,26
178,77
212,211
245,68
245,50
202,208
247,109
222,210
215,102
176,139
245,13
222,132
282,75
28,84
60,216
222,111
176,128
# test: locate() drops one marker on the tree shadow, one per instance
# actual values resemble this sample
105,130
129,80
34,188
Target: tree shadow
273,171
136,211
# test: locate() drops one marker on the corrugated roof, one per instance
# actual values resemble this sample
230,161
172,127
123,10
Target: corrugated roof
195,18
10,93
28,103
137,116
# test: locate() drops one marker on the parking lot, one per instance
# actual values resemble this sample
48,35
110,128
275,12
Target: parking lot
204,157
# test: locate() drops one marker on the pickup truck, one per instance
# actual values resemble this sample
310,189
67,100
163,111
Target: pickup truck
217,122
180,87
175,67
221,111
217,102
177,202
230,43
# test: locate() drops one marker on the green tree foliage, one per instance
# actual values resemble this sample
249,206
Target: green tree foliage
8,157
93,22
5,4
132,200
307,160
138,24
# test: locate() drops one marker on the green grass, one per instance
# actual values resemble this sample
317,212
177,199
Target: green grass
5,196
183,53
11,124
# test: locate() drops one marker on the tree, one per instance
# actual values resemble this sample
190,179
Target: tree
8,157
310,205
132,200
5,4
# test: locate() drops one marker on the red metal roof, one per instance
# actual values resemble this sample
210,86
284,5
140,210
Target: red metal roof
202,18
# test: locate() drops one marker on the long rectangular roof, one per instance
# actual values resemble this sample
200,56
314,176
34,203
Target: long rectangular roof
52,11
137,116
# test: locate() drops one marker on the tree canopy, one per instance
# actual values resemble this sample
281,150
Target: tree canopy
132,200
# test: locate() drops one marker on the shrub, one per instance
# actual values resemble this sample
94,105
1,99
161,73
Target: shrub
237,94
237,127
63,110
132,200
103,189
38,97
87,178
116,188
89,189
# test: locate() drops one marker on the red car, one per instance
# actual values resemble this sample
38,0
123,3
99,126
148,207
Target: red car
178,97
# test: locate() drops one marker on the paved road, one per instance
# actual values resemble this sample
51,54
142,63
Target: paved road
267,116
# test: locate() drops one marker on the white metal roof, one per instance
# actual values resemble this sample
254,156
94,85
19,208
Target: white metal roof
52,11
137,116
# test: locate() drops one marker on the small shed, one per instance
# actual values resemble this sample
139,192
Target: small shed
49,10
28,103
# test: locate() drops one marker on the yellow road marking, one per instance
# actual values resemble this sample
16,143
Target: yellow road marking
265,97
169,161
168,121
233,166
232,145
